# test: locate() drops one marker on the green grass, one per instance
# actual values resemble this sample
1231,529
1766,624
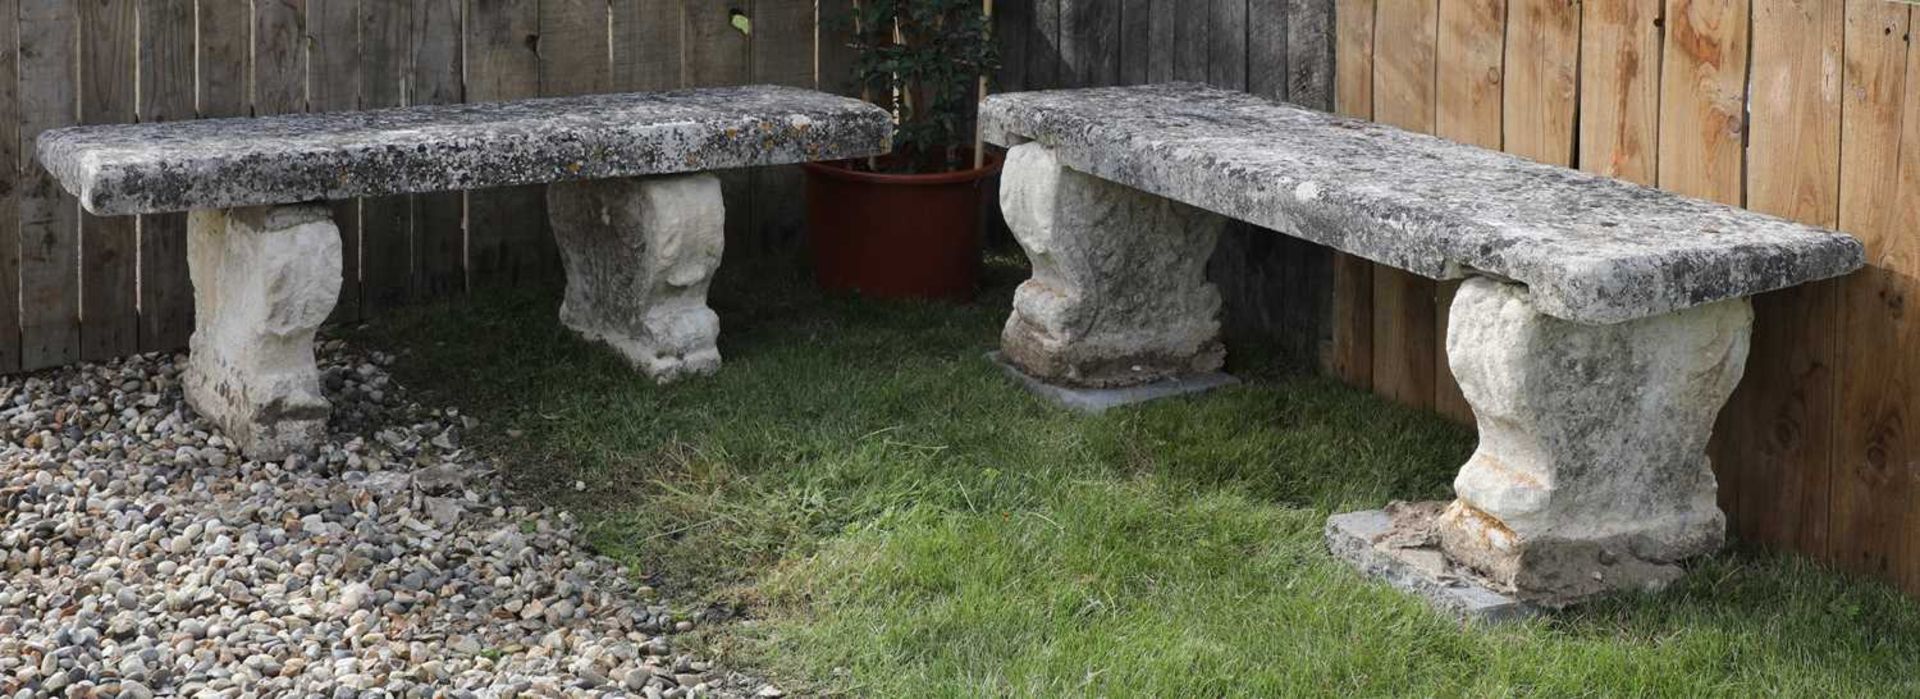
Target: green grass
898,520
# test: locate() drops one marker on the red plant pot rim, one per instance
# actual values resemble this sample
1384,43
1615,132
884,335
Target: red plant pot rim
838,170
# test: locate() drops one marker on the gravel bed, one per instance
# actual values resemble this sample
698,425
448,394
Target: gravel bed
143,556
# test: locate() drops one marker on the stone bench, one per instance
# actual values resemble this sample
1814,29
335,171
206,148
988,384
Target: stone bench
635,209
1600,327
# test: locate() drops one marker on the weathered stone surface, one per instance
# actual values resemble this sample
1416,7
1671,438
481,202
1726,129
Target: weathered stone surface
1592,472
223,163
264,279
1093,401
1396,545
1119,295
639,254
1592,249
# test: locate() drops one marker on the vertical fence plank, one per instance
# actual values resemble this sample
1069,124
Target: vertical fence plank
109,259
333,67
1227,44
1703,95
1310,45
10,186
646,44
279,57
575,57
781,52
224,43
1468,108
1191,44
1163,34
1620,88
1878,372
1268,74
1136,40
1783,421
386,223
1011,23
718,54
1703,92
1043,46
1090,43
49,217
1542,79
166,94
509,244
1351,356
1403,95
440,244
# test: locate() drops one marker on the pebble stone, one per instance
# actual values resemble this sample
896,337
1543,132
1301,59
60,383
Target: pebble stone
144,556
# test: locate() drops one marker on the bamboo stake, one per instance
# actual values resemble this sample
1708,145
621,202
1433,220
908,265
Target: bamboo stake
979,129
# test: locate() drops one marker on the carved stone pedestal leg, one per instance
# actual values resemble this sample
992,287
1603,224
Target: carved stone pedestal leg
1592,471
264,279
639,255
1119,294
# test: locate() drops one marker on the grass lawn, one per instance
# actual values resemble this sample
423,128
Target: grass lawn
896,519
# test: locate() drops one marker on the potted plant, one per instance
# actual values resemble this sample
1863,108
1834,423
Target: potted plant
908,224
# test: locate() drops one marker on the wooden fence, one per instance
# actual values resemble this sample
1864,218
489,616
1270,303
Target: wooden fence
1275,288
76,287
1808,109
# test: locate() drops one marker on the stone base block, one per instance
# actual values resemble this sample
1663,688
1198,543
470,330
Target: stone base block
1395,546
1094,401
1119,295
640,254
264,279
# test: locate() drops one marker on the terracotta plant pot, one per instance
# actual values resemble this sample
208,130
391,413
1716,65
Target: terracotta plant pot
896,236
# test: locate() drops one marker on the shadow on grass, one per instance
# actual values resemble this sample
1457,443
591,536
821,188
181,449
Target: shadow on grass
896,509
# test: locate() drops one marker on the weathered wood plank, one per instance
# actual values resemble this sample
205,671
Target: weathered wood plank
166,94
1785,418
719,54
1012,21
1163,35
10,186
1875,443
646,45
1310,46
1267,72
1043,46
1471,59
1136,40
1090,42
1703,95
334,68
1542,79
1227,44
1620,88
509,243
1404,95
279,57
1351,354
575,56
1192,44
49,218
781,52
837,56
109,250
386,223
440,252
1471,63
225,46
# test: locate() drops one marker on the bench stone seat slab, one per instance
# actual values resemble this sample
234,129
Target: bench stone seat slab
224,163
1591,249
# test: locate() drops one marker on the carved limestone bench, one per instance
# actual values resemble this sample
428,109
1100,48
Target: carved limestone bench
638,218
1600,328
